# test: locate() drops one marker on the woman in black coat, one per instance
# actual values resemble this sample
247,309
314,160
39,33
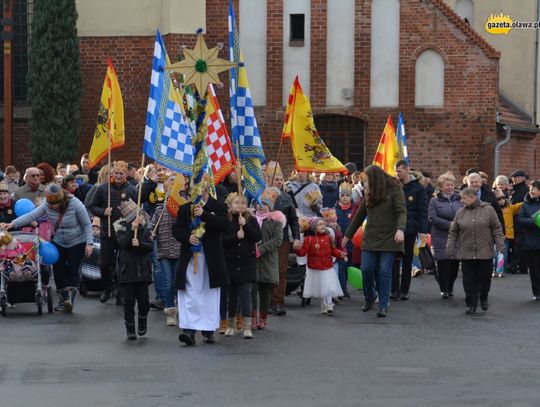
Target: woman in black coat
239,240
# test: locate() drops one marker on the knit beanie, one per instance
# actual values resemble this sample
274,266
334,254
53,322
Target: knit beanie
54,193
313,223
345,189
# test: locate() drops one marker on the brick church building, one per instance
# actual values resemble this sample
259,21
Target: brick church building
358,61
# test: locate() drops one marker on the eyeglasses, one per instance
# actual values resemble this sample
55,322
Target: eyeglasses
34,175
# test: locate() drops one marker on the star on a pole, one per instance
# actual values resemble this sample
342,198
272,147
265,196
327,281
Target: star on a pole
201,66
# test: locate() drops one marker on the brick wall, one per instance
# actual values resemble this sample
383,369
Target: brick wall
456,137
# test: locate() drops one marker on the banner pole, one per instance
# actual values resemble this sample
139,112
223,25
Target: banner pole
139,196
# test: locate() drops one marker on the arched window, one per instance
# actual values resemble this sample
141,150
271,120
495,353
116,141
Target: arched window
465,9
429,78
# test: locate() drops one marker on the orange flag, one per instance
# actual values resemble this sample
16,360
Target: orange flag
388,150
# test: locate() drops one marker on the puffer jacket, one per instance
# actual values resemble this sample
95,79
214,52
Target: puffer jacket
525,221
441,213
240,254
474,232
319,251
510,211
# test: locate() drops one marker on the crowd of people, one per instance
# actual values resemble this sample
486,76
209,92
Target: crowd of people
232,277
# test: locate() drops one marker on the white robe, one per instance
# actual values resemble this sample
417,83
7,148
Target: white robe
198,305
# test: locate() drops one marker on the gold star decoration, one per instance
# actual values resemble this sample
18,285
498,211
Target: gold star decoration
201,66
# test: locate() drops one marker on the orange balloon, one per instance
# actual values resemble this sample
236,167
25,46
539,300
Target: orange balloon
358,237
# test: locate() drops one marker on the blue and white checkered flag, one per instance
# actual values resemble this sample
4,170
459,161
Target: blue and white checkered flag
168,136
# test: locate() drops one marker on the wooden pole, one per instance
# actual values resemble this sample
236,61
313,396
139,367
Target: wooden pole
139,196
238,169
109,180
277,161
7,35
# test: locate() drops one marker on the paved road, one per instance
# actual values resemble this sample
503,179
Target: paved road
425,353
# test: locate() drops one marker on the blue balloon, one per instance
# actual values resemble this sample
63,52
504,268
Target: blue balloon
24,206
49,253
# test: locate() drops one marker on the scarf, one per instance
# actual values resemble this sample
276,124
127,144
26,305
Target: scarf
261,217
345,207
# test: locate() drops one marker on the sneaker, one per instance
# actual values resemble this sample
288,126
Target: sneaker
404,297
248,334
230,331
68,302
187,339
209,339
59,307
105,295
330,308
223,324
172,316
157,304
142,326
381,313
445,295
324,309
130,331
279,310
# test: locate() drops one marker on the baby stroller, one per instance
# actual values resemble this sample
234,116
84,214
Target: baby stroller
91,273
21,279
296,274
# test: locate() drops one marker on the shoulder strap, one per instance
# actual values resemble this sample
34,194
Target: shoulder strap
300,189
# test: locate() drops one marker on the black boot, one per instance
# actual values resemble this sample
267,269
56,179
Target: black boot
141,325
130,331
105,295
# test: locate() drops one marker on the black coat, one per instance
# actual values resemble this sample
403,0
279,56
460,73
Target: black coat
417,208
286,205
215,217
518,193
134,263
98,203
488,196
7,214
525,221
240,253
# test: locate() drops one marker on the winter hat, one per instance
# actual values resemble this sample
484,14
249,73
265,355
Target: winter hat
269,197
126,207
53,193
345,189
3,187
96,222
10,169
313,223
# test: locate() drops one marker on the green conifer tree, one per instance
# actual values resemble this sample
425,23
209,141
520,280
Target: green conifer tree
54,81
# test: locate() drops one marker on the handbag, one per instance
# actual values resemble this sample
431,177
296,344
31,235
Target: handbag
426,258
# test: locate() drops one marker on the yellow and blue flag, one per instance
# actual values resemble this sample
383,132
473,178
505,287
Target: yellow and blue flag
168,136
245,133
402,139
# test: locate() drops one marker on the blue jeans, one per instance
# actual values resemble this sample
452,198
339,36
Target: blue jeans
155,272
377,266
164,280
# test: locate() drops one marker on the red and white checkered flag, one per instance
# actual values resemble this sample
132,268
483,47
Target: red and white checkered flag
218,143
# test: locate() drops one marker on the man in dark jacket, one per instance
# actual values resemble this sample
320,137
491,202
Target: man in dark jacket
519,191
121,191
417,223
200,277
285,204
520,188
85,169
